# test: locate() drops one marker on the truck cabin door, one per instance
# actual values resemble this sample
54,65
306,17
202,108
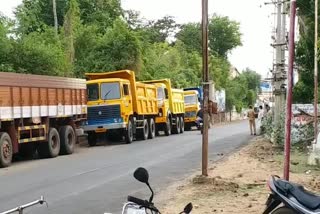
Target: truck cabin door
127,99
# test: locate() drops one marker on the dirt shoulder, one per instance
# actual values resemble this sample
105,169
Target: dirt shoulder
237,184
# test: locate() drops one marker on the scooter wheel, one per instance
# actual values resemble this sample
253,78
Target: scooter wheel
283,210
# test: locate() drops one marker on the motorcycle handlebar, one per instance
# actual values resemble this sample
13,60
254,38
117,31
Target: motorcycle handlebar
138,201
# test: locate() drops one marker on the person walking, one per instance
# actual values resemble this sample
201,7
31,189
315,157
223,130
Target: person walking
252,120
261,114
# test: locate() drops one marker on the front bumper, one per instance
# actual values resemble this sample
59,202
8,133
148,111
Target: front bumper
105,127
190,119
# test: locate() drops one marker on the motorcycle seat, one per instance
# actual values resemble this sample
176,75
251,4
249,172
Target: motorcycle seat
303,196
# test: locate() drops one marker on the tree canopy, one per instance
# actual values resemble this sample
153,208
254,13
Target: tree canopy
303,90
99,36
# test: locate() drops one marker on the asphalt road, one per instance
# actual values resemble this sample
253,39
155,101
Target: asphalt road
98,179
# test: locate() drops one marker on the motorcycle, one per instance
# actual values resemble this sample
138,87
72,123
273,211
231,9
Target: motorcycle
294,197
139,206
23,207
199,124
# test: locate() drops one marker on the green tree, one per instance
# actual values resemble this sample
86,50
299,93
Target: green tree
100,12
190,35
224,35
38,53
236,92
5,44
253,79
303,90
35,15
71,23
117,49
160,60
219,69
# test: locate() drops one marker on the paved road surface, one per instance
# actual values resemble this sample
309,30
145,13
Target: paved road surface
98,179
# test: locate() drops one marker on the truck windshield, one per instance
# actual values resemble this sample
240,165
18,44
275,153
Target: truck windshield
190,100
110,91
93,92
161,94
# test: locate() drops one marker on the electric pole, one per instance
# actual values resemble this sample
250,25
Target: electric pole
279,76
205,78
289,91
283,48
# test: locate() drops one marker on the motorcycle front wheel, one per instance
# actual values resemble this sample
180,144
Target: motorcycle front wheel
283,210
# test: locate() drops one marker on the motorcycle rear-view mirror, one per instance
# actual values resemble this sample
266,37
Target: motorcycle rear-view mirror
142,175
188,208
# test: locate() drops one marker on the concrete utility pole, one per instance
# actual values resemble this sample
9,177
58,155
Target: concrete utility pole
205,76
283,48
279,76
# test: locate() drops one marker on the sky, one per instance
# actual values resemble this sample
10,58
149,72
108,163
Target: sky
255,24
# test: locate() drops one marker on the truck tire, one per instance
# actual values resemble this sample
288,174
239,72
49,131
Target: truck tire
67,140
152,128
51,148
129,132
144,132
177,127
6,150
92,138
167,127
181,125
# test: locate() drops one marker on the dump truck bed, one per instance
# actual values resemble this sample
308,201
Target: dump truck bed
176,96
177,101
146,99
34,96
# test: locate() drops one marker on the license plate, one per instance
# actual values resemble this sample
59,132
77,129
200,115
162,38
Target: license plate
99,130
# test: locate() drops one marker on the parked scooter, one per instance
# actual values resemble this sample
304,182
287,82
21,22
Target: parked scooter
294,197
21,208
139,206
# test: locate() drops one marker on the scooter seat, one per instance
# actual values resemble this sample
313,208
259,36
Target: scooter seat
303,196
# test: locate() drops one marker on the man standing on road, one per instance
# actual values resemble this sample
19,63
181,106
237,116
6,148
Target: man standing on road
252,120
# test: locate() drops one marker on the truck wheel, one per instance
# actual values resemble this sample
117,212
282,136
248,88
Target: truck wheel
145,130
51,148
177,127
68,140
152,128
182,125
92,138
129,132
5,149
167,127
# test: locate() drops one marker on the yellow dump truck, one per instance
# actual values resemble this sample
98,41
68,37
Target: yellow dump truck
192,106
171,110
120,106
